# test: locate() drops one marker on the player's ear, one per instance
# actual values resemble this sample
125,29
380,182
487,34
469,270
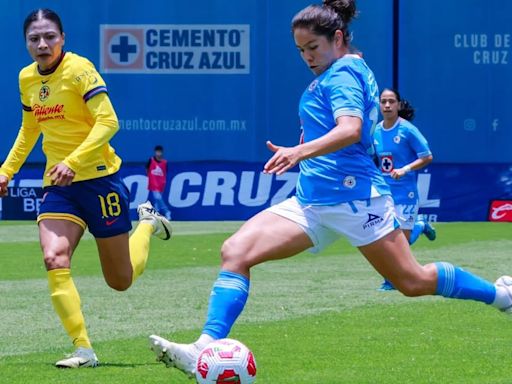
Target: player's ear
338,38
63,39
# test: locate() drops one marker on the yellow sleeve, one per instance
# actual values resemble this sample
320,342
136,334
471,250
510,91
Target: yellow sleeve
27,138
105,126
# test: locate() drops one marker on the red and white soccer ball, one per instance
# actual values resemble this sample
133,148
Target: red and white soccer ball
226,361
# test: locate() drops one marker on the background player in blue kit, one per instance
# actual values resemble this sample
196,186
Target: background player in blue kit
402,150
340,192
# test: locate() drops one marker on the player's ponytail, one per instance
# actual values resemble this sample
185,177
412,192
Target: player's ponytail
406,110
346,9
326,19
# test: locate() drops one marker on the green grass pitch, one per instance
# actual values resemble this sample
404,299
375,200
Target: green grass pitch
310,319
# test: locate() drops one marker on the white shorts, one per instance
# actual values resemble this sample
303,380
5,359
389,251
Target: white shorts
362,221
406,215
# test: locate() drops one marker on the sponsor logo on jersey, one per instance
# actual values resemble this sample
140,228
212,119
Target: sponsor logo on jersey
349,182
500,210
396,139
372,221
157,171
48,112
175,48
44,93
411,195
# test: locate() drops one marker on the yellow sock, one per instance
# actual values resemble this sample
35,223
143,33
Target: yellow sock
139,248
66,302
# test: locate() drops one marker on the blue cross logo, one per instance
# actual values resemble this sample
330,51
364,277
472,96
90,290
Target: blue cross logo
124,48
387,164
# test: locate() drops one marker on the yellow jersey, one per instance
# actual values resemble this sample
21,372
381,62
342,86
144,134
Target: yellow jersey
70,106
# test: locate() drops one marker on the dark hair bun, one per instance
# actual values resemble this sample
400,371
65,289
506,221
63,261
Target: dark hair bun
406,110
345,8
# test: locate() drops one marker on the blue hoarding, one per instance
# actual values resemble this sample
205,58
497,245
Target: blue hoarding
209,80
456,68
237,191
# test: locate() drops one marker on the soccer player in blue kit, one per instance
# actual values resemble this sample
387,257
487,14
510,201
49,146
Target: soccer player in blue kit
340,192
402,150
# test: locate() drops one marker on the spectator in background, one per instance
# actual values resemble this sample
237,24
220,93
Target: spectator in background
156,169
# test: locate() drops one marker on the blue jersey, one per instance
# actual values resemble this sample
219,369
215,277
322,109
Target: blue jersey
348,88
396,147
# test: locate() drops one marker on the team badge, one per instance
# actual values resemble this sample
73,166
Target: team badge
396,139
349,182
386,163
312,86
44,93
411,195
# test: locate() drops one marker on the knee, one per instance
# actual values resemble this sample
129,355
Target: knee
119,284
420,284
55,258
233,254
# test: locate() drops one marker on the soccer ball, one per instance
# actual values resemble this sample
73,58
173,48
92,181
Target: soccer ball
226,361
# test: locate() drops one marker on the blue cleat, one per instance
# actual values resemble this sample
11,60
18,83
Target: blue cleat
429,231
386,286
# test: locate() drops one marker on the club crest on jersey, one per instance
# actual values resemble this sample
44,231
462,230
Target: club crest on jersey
349,182
313,85
396,139
44,93
386,163
411,195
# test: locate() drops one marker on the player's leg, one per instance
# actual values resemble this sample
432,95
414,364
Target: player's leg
59,239
123,258
406,224
267,236
105,204
391,256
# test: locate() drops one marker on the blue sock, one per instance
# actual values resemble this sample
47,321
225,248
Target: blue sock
417,230
227,300
459,284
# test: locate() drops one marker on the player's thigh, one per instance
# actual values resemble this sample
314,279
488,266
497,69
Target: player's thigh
391,256
266,236
115,260
58,239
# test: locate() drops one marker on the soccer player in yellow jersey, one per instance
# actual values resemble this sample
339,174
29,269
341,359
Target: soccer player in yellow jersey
65,99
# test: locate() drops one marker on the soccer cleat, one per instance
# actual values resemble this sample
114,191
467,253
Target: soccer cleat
180,356
163,229
81,358
505,282
429,231
386,286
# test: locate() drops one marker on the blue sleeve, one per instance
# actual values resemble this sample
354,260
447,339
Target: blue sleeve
418,143
345,93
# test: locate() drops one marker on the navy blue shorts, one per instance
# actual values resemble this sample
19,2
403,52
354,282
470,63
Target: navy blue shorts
101,204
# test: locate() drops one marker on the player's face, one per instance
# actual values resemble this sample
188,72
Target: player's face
389,105
44,43
317,51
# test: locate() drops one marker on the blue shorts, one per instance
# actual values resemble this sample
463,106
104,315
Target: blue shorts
101,204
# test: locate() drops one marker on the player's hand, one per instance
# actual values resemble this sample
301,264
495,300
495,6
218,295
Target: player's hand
284,158
397,174
4,181
61,175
